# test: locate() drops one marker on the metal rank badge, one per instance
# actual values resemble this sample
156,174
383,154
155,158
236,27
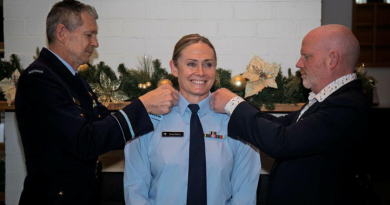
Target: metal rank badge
215,135
77,102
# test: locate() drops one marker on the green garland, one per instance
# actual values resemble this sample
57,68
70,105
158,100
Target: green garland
290,89
9,67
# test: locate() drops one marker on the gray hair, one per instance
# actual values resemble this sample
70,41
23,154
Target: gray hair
67,12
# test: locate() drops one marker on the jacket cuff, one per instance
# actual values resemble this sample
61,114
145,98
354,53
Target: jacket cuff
134,120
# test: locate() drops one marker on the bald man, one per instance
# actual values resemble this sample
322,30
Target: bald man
316,148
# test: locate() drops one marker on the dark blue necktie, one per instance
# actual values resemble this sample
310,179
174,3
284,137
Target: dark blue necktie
197,189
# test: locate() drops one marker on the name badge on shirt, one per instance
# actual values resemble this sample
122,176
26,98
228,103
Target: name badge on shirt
172,134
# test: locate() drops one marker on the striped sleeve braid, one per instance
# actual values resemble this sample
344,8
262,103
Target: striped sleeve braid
134,120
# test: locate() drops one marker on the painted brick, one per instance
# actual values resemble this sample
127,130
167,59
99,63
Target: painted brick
120,46
276,29
236,63
241,0
183,10
252,46
159,46
253,10
15,27
153,1
208,11
237,29
221,47
204,28
279,46
112,60
147,29
298,10
36,26
193,0
305,26
26,9
125,10
110,27
16,44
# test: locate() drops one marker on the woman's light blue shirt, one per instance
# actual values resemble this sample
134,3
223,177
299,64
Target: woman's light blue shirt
156,167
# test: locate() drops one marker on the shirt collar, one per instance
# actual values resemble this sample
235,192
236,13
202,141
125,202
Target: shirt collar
332,87
65,63
204,105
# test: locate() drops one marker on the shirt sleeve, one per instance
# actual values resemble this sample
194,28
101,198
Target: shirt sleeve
137,174
245,175
232,104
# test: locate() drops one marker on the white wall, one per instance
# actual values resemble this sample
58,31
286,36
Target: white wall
128,29
239,29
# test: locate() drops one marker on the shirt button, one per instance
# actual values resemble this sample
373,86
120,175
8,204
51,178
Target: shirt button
82,115
60,193
100,116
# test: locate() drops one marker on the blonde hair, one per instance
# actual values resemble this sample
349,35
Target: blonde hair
189,40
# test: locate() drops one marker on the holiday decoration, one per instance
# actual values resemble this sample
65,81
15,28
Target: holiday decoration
164,81
260,74
8,86
83,68
368,83
9,77
144,85
36,53
238,83
262,77
107,90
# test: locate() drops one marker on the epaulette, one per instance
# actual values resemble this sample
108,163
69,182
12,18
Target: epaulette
156,117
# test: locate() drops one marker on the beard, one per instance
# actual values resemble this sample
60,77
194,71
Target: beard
307,82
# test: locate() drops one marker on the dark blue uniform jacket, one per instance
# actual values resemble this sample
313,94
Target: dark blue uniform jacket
316,157
64,129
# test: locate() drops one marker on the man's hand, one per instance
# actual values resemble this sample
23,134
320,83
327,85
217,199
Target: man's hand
160,100
220,98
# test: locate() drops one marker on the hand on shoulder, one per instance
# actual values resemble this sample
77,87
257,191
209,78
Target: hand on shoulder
160,100
220,98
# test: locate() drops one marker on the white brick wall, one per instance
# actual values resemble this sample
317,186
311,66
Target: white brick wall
129,29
